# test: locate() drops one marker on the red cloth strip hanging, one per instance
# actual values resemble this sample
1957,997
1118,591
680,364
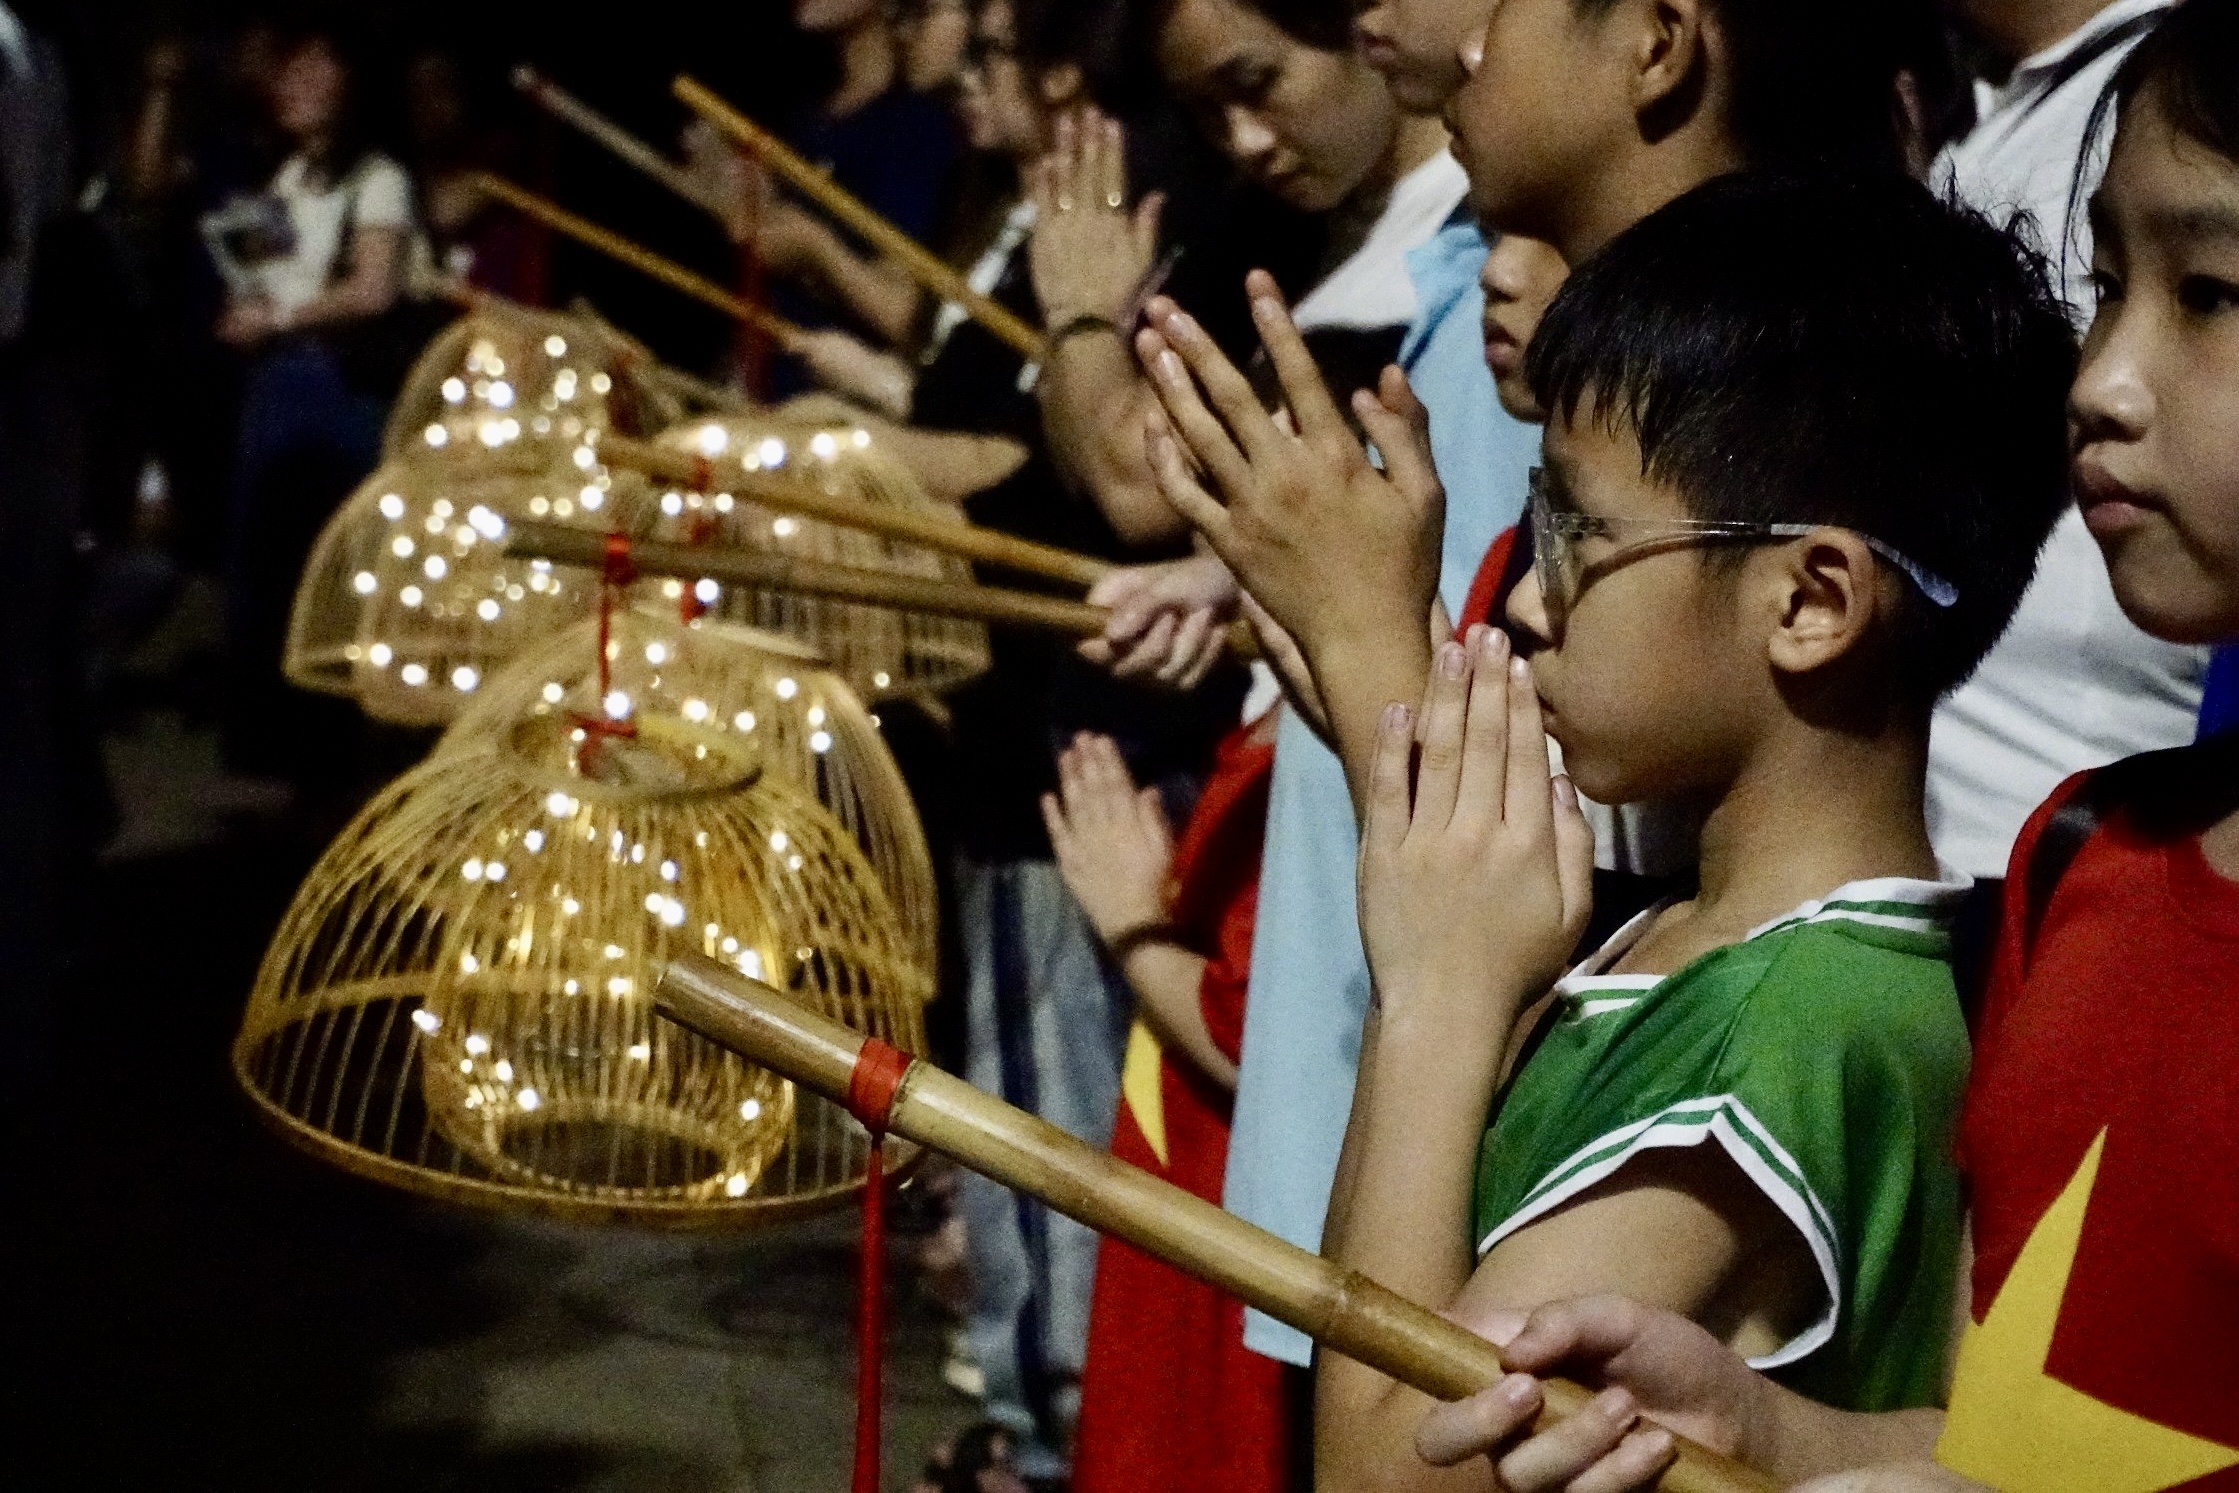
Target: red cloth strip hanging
616,571
871,1090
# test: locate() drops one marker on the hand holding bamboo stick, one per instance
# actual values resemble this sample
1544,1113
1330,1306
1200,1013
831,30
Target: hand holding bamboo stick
1342,1310
564,544
923,266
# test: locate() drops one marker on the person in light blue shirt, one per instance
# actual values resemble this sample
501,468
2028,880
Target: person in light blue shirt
1309,982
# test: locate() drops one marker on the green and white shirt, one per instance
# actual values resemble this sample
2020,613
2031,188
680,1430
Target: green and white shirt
1826,1055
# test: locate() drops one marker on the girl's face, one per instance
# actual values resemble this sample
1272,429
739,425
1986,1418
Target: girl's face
934,38
1417,46
994,98
2155,408
1309,125
307,91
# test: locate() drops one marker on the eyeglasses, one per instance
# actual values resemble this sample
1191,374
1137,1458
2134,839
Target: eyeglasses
1556,529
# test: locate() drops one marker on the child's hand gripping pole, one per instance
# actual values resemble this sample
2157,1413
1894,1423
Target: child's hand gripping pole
1340,1309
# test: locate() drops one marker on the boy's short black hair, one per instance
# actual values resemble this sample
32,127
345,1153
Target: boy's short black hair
1836,350
1815,81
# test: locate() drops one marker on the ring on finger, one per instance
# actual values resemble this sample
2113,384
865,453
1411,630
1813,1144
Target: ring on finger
1114,200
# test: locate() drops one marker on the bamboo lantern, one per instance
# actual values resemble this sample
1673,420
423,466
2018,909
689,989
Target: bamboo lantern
801,720
881,652
409,601
458,1001
503,374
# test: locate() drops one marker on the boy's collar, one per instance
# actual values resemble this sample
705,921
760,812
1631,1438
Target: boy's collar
1904,903
1901,903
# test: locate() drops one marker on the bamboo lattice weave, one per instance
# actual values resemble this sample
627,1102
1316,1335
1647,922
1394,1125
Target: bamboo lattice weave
879,651
801,721
408,602
459,999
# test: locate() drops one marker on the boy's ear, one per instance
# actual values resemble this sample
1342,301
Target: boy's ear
1829,590
1670,64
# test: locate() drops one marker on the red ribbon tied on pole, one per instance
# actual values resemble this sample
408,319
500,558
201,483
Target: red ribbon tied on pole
872,1088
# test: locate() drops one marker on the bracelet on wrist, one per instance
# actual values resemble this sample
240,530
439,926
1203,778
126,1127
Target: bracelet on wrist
1076,326
1128,940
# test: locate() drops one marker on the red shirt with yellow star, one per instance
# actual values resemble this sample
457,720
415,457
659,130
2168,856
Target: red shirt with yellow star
1171,1398
2101,1145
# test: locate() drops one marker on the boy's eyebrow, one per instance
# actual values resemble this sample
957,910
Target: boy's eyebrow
1556,471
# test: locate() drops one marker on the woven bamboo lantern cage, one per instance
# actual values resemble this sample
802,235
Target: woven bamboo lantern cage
506,373
458,1001
409,601
801,720
881,652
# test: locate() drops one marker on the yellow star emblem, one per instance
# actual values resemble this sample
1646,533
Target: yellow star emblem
2016,1427
1143,1086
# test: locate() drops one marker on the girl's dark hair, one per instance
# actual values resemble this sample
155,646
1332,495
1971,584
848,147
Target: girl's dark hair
1327,24
2191,59
1096,36
351,140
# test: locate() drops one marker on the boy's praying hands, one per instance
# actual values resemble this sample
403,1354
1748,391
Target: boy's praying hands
1342,556
1476,881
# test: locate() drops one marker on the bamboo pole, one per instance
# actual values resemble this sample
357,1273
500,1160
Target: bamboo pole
1339,1308
923,266
566,545
624,146
637,256
790,495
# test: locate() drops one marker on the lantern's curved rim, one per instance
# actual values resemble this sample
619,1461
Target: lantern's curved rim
731,763
902,1160
801,650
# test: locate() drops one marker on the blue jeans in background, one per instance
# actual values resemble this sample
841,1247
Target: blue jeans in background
1046,1020
306,439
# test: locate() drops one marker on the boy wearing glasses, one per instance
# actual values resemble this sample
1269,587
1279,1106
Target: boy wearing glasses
1804,441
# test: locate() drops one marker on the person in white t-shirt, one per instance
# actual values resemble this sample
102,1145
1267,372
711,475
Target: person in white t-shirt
327,242
2073,684
314,259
